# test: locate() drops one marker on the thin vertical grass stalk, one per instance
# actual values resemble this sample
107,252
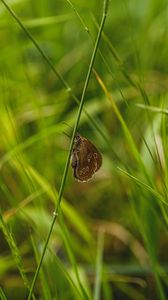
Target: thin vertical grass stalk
56,211
99,265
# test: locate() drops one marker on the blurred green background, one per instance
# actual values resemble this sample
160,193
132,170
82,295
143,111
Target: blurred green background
110,239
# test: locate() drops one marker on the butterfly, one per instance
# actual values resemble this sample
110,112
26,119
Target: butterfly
85,160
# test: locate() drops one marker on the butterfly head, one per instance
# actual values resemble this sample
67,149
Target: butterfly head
77,140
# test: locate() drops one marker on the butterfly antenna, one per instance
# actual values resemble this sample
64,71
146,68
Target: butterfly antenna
77,133
67,125
67,134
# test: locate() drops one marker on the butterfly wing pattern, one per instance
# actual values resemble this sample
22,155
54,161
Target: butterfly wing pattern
86,159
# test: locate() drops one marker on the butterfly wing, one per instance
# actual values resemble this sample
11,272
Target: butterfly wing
88,160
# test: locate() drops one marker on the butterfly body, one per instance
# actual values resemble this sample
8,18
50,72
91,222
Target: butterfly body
86,159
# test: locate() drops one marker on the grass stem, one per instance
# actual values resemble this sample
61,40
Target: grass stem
55,214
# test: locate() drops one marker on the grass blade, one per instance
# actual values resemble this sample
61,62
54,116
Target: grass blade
55,215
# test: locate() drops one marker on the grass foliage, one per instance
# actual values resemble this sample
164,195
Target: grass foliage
99,68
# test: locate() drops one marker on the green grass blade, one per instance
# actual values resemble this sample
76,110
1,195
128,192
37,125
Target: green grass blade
70,150
2,294
99,266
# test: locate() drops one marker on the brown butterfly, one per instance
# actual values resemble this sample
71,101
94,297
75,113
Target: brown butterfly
86,159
